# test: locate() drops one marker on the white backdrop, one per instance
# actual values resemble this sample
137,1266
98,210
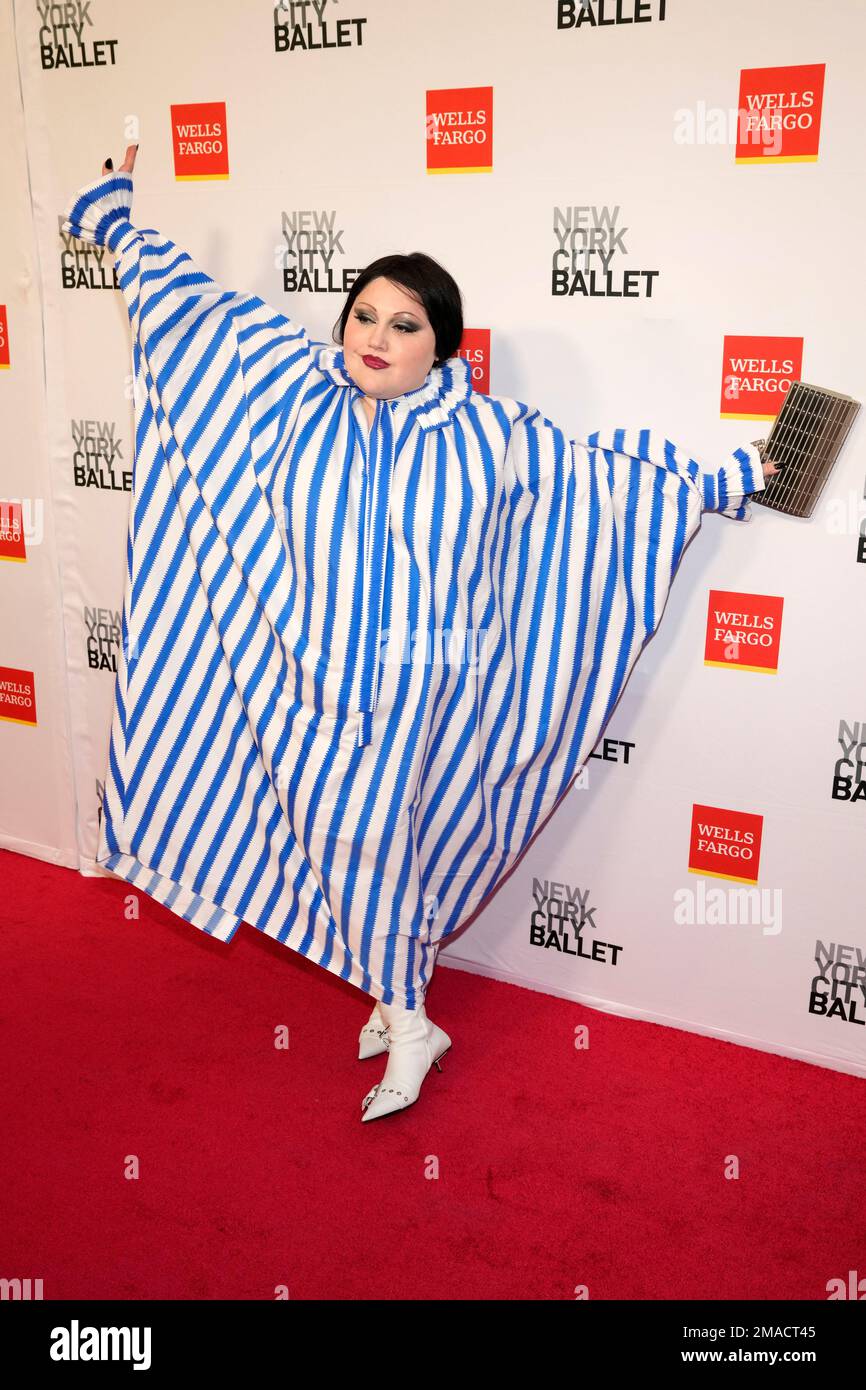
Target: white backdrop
629,120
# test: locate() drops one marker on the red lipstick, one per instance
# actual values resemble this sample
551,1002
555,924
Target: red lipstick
375,362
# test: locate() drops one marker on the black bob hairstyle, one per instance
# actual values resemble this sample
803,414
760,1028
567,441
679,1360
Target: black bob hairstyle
430,283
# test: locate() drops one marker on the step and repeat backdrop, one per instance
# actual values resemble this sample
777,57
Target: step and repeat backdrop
653,210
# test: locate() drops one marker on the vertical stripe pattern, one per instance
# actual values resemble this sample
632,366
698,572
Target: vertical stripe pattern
360,663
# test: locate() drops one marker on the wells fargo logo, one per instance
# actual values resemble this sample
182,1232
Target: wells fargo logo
12,531
475,350
743,630
725,844
757,375
17,695
459,130
200,140
779,114
4,337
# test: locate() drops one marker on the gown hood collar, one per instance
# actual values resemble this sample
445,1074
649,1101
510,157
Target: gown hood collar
443,392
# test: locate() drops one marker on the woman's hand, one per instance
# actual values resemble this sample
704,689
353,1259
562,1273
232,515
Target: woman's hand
128,164
768,467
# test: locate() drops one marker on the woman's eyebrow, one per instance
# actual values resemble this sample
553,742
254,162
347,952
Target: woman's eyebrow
365,303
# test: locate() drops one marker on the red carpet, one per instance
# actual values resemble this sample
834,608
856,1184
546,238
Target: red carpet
145,1043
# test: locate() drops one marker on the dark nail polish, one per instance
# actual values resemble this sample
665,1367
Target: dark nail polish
108,163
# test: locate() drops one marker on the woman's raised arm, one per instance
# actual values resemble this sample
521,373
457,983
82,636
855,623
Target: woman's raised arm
183,322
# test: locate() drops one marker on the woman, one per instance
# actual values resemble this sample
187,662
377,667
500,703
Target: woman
374,621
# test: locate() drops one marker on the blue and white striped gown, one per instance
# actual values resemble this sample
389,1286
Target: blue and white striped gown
296,741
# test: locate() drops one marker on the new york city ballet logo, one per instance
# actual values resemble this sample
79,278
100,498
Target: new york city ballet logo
310,254
838,989
743,630
613,750
583,15
200,142
303,26
557,921
17,695
725,843
68,37
102,632
98,457
459,130
84,265
780,114
757,373
589,255
849,770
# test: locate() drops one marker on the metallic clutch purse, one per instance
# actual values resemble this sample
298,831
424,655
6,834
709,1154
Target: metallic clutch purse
804,443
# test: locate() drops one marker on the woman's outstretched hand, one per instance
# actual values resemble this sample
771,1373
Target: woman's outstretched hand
128,164
768,467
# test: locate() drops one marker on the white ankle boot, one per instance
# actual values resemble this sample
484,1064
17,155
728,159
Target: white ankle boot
415,1044
373,1037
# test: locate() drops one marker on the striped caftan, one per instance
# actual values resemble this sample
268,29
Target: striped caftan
360,663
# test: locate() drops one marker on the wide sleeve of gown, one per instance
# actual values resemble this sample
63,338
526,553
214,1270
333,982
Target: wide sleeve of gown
593,534
193,341
216,377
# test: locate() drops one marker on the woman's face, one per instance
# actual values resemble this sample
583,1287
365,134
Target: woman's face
387,324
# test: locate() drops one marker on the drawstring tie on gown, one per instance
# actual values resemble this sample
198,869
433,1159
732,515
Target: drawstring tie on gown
375,535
